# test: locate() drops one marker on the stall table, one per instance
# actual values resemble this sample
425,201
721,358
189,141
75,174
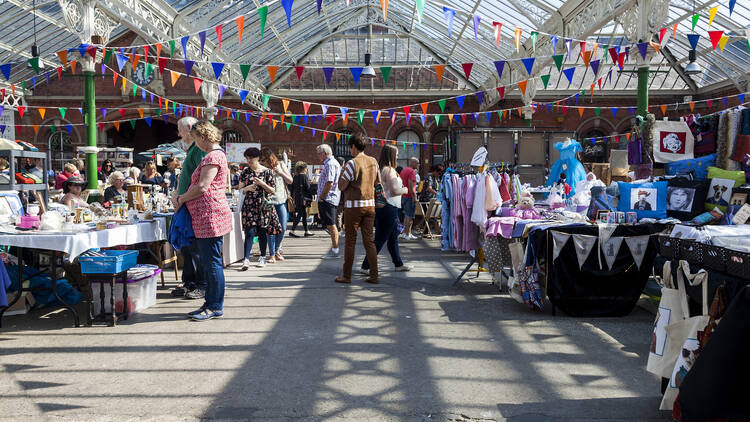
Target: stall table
76,243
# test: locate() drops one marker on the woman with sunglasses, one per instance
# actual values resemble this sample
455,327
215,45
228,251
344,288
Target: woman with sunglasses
106,170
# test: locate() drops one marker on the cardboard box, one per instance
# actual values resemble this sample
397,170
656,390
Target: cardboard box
24,304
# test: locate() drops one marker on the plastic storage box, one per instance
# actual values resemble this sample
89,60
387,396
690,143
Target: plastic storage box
112,262
141,290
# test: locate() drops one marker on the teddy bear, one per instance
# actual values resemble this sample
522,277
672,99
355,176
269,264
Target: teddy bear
525,208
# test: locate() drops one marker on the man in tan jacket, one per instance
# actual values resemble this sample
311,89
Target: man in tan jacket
357,185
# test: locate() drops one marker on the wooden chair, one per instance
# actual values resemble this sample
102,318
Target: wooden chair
434,213
161,262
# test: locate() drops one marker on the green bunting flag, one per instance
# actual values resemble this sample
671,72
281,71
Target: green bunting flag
135,89
534,36
605,48
245,69
696,17
441,103
288,125
558,59
437,119
386,72
263,13
158,112
420,12
545,80
171,50
107,55
583,95
360,116
597,111
149,69
132,124
34,63
265,100
500,115
62,111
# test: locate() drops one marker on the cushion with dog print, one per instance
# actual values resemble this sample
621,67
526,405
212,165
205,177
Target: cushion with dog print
720,189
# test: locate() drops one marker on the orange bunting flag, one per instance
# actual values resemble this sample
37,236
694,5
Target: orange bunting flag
586,56
197,82
175,76
580,111
655,46
591,89
518,110
384,6
114,79
674,30
439,70
522,86
73,66
518,31
36,128
497,26
42,112
285,102
116,125
692,105
450,118
272,72
134,58
627,136
424,107
63,55
140,112
124,84
240,21
505,114
338,136
593,50
158,50
273,123
663,109
283,117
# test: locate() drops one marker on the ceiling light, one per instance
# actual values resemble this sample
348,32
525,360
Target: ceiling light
368,72
692,67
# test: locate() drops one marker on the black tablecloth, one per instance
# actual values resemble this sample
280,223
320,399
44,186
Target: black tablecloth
595,291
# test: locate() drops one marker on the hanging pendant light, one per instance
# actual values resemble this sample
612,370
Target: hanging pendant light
692,67
368,72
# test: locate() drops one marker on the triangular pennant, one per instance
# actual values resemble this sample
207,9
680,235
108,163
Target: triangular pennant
693,40
480,96
324,108
420,10
731,6
558,59
287,5
614,111
306,106
610,249
439,69
375,116
643,49
299,70
476,19
34,63
569,74
197,82
328,72
740,97
449,14
499,66
663,108
240,21
711,15
189,66
285,103
709,103
384,8
450,118
691,104
174,77
715,37
36,128
218,68
202,36
694,21
662,33
407,110
517,32
583,245
424,107
63,55
121,60
148,120
437,119
441,103
62,111
497,28
344,113
42,111
21,110
122,113
528,63
386,72
545,80
501,92
162,64
271,72
360,116
638,246
534,37
59,70
595,66
262,15
586,55
460,100
723,42
580,111
218,35
222,90
356,73
467,69
82,49
522,86
559,239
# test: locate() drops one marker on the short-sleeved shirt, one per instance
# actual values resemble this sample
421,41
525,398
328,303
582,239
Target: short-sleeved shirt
331,172
408,175
192,160
210,212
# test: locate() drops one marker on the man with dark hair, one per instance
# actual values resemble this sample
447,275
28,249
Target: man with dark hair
357,184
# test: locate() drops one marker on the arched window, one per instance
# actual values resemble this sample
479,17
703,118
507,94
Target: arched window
594,152
410,137
230,136
341,148
61,149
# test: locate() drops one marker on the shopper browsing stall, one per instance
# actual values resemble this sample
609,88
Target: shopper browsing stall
279,197
116,190
302,197
72,188
409,200
329,196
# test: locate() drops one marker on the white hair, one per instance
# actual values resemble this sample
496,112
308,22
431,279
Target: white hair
325,148
134,173
114,176
186,123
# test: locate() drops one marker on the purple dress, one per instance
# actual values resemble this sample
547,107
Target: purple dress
471,230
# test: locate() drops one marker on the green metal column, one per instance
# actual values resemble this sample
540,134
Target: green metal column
89,109
642,90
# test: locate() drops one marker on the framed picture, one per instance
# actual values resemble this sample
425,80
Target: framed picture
601,216
738,199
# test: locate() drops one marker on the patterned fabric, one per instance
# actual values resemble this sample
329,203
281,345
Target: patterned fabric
530,290
210,212
497,253
253,214
331,172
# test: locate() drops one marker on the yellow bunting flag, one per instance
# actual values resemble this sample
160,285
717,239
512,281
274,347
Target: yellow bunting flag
42,112
273,123
272,72
450,118
285,102
439,70
166,104
124,84
711,15
175,76
723,42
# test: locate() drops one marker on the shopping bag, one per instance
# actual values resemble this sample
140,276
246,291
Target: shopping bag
517,262
683,336
673,141
669,311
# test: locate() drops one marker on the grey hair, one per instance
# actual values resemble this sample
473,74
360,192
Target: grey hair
186,123
114,176
325,148
414,159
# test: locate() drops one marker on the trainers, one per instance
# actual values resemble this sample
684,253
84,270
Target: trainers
363,271
195,294
331,254
293,234
245,264
308,234
404,268
412,237
403,236
261,262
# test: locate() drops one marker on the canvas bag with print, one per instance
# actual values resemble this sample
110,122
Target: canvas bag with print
673,141
669,311
682,336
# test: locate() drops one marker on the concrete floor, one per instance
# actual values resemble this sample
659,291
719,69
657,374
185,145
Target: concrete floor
295,346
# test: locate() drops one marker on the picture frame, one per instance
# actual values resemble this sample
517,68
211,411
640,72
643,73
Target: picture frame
738,198
601,216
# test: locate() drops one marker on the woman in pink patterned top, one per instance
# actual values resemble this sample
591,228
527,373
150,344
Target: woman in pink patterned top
212,219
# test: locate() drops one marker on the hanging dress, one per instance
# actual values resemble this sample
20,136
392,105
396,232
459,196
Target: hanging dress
568,164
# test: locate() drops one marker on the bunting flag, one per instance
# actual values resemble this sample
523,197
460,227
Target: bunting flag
437,119
384,7
528,63
420,10
558,59
305,107
218,68
711,15
21,110
501,92
553,40
245,70
439,69
695,19
243,94
356,73
174,77
263,15
715,37
202,36
500,66
467,69
328,72
497,27
42,112
360,116
559,239
693,40
285,104
441,104
643,49
460,100
480,96
62,111
121,60
522,86
517,33
610,249
324,109
723,42
386,72
476,19
638,246
287,4
662,33
184,41
731,6
424,107
375,116
320,4
407,110
189,67
197,82
299,70
162,63
240,22
568,45
583,245
545,80
449,15
218,35
34,63
63,55
569,74
595,66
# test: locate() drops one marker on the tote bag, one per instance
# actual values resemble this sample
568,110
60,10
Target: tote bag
682,336
670,310
673,141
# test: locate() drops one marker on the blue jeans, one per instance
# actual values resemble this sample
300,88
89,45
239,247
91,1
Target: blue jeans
283,219
191,268
386,232
213,271
263,240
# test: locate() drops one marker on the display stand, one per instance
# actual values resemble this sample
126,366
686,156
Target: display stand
112,278
12,156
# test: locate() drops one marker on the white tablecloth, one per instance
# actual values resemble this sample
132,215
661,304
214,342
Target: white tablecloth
77,243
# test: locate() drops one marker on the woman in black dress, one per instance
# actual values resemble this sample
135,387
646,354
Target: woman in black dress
302,197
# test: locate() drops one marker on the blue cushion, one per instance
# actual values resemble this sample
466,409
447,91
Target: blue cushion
648,200
699,166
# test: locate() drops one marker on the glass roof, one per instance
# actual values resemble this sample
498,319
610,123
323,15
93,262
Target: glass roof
338,37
